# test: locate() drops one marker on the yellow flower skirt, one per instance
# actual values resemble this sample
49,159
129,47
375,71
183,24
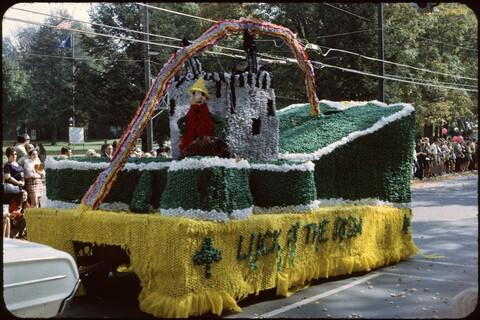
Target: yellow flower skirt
189,267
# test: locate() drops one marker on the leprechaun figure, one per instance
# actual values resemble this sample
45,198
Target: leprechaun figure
198,122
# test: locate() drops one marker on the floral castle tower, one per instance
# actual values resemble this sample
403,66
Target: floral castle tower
245,100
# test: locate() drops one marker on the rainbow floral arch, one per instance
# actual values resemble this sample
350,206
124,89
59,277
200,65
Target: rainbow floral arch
100,188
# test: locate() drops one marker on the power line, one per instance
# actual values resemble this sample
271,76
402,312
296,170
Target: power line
351,13
95,24
441,82
435,41
269,58
317,48
128,39
90,32
447,44
344,34
124,29
175,12
321,64
391,78
82,58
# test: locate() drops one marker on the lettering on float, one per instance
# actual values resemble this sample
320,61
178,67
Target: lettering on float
261,244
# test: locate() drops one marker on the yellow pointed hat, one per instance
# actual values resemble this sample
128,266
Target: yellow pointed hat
199,85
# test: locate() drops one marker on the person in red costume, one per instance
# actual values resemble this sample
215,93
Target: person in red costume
198,122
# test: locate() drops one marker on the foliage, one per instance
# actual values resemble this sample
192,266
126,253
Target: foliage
15,91
109,79
439,40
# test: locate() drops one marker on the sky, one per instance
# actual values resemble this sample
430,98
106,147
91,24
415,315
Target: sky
78,10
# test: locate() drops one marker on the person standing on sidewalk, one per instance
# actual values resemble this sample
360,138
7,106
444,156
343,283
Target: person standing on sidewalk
34,173
22,141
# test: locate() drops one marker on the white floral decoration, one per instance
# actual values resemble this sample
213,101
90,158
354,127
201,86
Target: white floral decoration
212,215
54,164
305,166
208,162
288,209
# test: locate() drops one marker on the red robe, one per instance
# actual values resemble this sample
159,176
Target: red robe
198,123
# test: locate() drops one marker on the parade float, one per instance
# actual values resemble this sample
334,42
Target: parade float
255,199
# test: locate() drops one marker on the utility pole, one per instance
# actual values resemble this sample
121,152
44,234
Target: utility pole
148,146
73,78
381,65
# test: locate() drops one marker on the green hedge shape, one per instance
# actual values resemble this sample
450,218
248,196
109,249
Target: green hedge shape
142,196
71,185
274,188
216,188
372,166
302,133
376,165
68,184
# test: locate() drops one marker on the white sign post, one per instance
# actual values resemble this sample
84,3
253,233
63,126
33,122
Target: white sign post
33,134
76,135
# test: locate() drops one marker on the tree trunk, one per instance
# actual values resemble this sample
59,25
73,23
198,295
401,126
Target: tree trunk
428,131
53,135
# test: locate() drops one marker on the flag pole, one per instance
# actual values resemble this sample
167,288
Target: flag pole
73,78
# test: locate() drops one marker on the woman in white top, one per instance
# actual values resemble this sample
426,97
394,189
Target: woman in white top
34,173
29,147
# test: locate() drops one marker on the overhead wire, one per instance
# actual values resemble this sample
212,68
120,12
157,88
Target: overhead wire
270,58
344,51
436,41
96,24
175,12
321,64
441,82
83,58
318,48
346,11
117,28
127,39
343,34
448,45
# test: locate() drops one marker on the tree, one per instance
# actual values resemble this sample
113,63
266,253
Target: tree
109,73
49,104
318,24
443,40
15,91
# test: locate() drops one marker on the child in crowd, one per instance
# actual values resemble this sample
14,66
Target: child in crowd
16,211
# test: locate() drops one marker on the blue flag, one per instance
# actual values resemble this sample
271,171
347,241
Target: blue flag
67,43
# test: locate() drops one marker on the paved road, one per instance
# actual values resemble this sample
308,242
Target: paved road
445,228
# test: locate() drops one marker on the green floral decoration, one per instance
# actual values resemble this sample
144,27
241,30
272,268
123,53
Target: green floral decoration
273,188
206,256
366,167
143,192
407,222
346,227
316,233
214,188
266,243
292,236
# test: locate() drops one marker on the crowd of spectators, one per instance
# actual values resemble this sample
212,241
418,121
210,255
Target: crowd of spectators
442,156
107,150
22,180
